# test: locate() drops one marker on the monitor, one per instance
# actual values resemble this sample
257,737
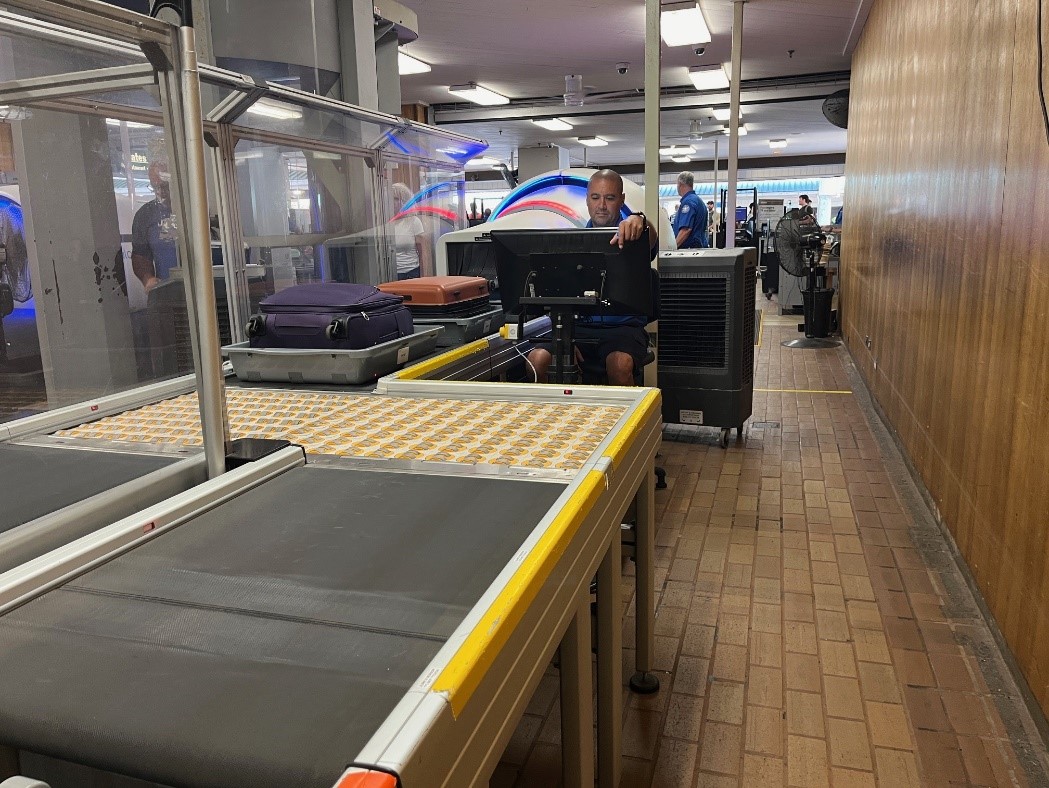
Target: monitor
572,263
741,214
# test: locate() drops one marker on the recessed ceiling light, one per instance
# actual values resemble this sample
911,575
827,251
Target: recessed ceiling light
406,64
681,159
471,91
592,142
272,109
708,77
553,124
676,150
774,144
131,124
723,114
683,23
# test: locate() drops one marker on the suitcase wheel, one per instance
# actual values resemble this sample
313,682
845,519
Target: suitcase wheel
336,330
256,326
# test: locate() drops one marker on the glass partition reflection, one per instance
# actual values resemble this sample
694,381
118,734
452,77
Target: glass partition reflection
93,261
306,216
423,200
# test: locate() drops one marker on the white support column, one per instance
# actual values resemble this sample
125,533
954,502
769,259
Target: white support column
357,49
728,211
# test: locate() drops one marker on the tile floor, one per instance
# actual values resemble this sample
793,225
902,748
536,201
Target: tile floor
812,628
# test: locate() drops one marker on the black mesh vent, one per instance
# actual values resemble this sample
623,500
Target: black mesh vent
693,321
749,289
183,342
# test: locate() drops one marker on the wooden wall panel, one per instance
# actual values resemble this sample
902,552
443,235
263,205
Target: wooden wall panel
945,266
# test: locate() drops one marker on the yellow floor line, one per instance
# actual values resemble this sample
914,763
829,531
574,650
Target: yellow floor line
802,391
761,328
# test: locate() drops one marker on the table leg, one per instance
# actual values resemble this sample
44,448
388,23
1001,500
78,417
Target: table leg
644,681
577,711
609,666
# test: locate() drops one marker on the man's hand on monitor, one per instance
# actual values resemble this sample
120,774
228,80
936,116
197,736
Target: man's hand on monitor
630,229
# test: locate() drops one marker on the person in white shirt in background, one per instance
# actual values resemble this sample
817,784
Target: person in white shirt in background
410,240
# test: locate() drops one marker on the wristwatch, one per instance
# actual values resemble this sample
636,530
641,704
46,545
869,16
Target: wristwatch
639,213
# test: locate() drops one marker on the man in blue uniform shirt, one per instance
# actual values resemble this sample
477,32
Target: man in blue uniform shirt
618,341
690,222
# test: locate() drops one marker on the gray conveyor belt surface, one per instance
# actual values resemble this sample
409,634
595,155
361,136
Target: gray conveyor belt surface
38,480
262,643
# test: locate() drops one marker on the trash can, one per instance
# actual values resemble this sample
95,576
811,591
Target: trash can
817,311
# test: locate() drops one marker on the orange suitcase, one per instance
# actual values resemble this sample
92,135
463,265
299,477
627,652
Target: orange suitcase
438,291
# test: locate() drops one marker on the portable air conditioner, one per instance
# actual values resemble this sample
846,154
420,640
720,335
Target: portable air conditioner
706,336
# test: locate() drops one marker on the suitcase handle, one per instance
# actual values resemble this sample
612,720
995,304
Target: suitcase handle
256,326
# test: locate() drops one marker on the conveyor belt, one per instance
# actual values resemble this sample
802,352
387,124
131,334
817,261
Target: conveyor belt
262,643
559,436
39,480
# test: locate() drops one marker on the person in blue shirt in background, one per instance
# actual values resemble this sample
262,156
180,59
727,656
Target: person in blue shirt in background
619,342
690,221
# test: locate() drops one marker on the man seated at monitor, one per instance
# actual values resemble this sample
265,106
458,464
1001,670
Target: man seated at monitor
619,342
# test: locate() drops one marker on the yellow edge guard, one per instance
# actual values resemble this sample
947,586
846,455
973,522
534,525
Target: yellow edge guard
426,367
626,437
475,656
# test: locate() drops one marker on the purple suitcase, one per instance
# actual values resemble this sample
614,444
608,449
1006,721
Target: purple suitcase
336,316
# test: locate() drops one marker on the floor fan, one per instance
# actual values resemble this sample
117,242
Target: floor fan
800,245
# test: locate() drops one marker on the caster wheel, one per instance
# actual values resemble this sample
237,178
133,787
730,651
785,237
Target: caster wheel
725,433
661,479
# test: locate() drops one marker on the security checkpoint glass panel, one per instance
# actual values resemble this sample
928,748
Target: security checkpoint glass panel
423,201
428,142
306,216
30,52
271,114
93,264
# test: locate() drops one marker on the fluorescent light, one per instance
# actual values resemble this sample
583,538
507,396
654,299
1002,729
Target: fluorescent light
553,124
742,130
723,114
592,142
406,64
708,77
271,109
471,91
681,159
131,124
683,23
676,150
483,161
777,144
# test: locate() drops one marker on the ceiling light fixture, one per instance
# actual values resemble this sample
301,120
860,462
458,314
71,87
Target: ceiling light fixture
406,64
683,23
483,161
776,144
592,142
681,159
471,91
708,77
271,109
723,114
553,124
131,124
676,150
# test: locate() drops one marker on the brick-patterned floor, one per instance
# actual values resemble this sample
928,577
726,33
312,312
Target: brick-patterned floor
812,628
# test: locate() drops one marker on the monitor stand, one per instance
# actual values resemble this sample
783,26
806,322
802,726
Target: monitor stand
562,313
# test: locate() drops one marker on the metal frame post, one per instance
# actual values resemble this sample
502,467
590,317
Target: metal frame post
733,128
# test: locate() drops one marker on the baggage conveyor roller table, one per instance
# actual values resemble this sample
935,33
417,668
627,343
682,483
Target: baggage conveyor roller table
452,719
